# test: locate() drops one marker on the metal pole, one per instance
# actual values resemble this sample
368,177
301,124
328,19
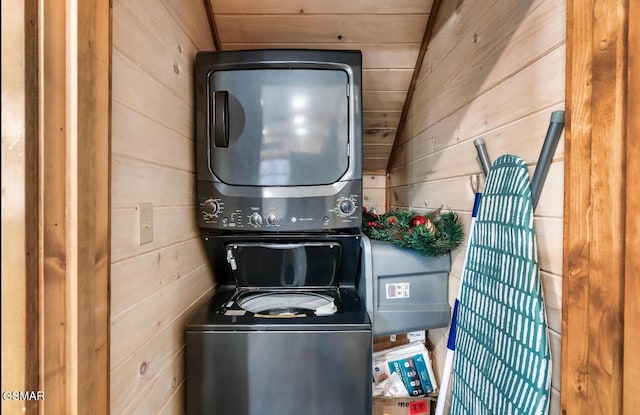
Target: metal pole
482,155
554,131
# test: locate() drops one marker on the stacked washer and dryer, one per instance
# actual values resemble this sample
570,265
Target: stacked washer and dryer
279,184
300,291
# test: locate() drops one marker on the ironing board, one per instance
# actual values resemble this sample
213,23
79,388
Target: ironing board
502,363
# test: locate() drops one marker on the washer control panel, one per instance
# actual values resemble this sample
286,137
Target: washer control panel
339,211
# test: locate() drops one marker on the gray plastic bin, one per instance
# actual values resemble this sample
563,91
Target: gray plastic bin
404,291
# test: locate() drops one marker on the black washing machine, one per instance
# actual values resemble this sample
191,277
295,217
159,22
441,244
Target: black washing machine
286,333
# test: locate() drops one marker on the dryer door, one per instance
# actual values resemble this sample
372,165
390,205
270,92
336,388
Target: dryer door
279,127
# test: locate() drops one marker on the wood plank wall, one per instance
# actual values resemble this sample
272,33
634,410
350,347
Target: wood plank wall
494,69
155,286
374,191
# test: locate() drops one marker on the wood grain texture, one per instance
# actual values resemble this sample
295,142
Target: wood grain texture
213,26
323,7
164,54
192,21
155,286
75,206
321,28
426,38
89,174
374,192
386,79
631,381
380,119
488,56
53,173
594,207
132,376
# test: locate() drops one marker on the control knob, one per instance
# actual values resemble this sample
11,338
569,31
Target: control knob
347,207
273,219
255,219
210,207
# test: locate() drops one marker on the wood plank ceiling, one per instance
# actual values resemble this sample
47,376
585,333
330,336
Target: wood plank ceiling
388,32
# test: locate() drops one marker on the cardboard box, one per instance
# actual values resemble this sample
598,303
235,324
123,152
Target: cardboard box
422,405
393,340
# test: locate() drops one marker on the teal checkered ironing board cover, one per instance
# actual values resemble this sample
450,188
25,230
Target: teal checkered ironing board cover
502,362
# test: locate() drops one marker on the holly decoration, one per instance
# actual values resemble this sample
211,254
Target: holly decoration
432,234
417,220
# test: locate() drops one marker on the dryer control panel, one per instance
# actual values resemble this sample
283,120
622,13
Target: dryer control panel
279,214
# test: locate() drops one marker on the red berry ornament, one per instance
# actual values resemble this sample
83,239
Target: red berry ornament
417,220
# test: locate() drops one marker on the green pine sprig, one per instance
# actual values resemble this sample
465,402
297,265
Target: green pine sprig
441,233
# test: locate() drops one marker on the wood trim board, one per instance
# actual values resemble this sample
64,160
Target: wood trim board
594,207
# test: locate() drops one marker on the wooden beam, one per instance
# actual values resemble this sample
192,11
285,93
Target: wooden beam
631,381
212,24
426,38
75,205
594,207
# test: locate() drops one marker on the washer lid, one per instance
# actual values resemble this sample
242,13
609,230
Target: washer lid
288,304
263,264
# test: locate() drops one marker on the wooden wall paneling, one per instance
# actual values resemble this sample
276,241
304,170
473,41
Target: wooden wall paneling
124,242
382,100
21,362
376,150
375,164
504,104
458,19
426,38
491,54
213,26
374,191
386,79
131,377
594,225
539,86
320,28
136,90
139,137
631,365
140,276
378,136
156,286
153,44
523,136
137,324
190,17
176,402
131,180
167,381
324,7
380,119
